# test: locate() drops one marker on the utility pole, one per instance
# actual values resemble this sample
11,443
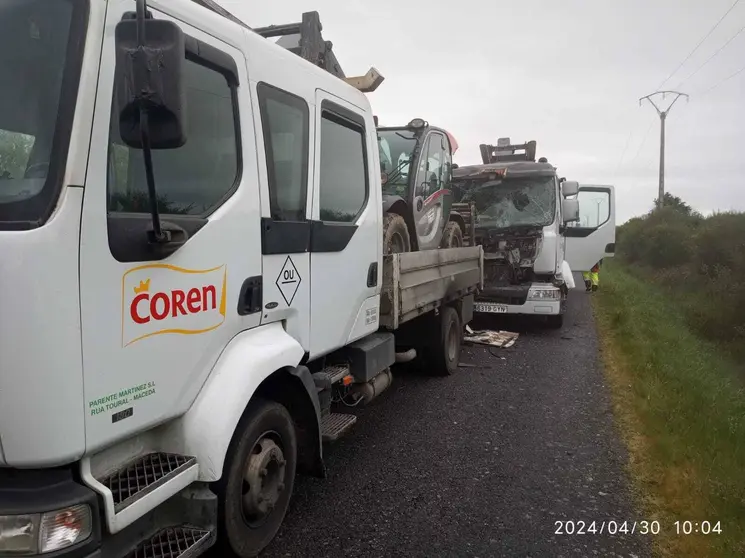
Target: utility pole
598,202
663,116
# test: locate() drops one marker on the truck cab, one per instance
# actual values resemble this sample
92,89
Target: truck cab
523,215
192,270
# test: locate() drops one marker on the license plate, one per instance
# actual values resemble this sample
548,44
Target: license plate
490,308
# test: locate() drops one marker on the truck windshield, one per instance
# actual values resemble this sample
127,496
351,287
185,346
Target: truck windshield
396,148
514,202
40,40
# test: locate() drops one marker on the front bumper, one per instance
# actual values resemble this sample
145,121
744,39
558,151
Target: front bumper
45,490
540,299
534,307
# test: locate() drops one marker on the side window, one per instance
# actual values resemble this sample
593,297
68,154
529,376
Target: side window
343,184
594,208
284,119
193,179
431,168
15,154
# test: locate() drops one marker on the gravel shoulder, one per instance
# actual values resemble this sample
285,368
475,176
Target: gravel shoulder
479,464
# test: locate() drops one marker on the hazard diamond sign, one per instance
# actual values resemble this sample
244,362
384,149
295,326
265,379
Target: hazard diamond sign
288,281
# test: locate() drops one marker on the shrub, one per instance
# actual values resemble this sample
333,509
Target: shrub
701,261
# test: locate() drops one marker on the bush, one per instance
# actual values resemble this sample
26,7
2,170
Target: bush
701,261
720,244
660,239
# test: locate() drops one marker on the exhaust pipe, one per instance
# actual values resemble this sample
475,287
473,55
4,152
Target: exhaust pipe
370,390
407,356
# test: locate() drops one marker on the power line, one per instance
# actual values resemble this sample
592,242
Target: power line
641,145
717,84
625,148
721,19
732,38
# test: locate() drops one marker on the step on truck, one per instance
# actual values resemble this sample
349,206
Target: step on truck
536,229
192,279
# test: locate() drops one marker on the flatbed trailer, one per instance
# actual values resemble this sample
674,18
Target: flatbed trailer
415,283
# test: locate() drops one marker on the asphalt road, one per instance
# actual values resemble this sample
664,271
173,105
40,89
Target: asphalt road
479,464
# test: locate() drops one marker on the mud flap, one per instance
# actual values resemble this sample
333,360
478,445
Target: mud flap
310,459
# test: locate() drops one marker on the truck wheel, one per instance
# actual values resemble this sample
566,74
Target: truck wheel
395,235
452,236
555,322
254,491
444,352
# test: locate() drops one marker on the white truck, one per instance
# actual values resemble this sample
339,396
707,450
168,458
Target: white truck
192,278
535,228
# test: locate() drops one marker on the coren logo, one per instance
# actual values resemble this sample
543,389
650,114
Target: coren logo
161,298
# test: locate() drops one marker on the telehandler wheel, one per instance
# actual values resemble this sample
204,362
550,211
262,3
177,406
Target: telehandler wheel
395,235
443,352
256,485
452,236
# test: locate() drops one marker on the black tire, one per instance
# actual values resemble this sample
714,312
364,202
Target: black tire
555,322
239,533
452,236
395,235
443,353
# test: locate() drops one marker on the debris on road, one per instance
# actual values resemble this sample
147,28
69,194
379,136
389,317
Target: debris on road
503,339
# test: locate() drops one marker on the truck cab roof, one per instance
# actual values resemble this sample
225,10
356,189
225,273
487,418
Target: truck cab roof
505,168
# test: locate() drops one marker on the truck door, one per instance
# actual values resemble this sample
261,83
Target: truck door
431,191
593,237
153,322
283,114
346,231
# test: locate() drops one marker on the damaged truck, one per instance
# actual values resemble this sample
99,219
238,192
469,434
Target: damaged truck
535,229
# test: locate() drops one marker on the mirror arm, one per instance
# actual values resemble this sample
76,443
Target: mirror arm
158,235
141,16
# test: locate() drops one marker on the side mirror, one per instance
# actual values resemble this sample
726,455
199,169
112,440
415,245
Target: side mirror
570,210
454,166
570,188
150,56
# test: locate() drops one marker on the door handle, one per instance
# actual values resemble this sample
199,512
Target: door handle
249,301
372,275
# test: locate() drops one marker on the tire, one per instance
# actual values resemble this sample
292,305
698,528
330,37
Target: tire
443,352
395,235
245,530
555,322
452,236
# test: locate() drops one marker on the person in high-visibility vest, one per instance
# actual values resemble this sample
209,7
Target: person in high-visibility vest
592,277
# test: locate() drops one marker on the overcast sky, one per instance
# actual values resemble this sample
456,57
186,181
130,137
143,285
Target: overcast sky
566,73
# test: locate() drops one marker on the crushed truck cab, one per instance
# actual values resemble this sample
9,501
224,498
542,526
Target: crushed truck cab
193,285
535,229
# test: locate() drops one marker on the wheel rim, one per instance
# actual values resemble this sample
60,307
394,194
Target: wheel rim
263,479
452,343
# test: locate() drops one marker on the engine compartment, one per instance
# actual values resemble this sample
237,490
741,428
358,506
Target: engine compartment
509,254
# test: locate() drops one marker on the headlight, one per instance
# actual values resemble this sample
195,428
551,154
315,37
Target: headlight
23,535
544,293
18,534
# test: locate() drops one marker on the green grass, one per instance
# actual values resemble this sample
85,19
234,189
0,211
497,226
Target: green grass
680,405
